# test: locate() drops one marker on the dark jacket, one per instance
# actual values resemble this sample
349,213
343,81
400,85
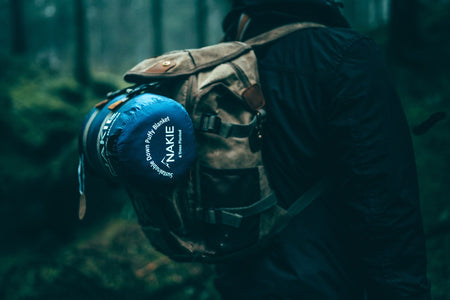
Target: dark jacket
332,111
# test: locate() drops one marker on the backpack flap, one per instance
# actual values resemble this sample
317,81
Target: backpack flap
233,65
185,62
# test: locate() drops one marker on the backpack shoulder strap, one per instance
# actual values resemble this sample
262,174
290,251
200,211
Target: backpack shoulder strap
279,32
314,192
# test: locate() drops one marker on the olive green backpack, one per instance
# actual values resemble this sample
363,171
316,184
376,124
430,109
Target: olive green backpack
224,207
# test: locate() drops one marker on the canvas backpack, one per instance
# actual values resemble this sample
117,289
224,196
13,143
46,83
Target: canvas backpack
222,206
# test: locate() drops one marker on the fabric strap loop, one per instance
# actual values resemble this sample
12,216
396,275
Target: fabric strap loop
233,216
211,123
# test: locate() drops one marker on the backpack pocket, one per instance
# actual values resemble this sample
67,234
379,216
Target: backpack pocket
227,196
229,187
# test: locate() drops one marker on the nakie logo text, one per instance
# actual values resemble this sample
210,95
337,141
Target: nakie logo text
169,138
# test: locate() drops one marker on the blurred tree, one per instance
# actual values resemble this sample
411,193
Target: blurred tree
157,26
403,27
201,20
350,10
82,72
380,15
19,45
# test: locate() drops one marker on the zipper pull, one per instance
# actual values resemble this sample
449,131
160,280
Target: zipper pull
81,178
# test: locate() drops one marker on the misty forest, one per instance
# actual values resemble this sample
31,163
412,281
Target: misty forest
60,57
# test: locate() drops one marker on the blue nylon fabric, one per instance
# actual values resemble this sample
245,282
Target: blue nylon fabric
156,140
92,135
150,140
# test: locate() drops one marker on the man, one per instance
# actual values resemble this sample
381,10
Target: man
332,112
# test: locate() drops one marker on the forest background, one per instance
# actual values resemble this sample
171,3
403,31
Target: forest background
59,57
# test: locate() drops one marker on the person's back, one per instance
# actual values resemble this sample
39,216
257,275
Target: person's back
332,112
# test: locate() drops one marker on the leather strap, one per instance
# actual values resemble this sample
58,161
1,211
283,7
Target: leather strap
244,21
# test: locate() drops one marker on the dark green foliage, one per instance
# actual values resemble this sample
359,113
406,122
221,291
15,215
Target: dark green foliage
40,117
115,263
424,88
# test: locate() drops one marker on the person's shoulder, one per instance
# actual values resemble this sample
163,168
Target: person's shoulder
321,47
334,39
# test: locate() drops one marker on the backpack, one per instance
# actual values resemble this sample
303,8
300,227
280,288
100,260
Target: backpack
220,206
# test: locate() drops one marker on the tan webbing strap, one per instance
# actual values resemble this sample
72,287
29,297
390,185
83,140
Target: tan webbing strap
280,32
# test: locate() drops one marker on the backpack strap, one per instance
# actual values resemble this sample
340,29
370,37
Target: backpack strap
233,216
307,197
212,123
279,32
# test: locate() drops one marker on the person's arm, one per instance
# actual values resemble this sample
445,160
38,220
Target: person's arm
375,169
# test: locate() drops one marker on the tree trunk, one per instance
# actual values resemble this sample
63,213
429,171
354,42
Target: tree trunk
19,46
157,24
403,27
202,19
82,73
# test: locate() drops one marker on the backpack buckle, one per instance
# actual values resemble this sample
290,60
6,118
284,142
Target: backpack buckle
210,123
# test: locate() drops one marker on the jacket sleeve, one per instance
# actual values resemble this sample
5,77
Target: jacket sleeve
374,166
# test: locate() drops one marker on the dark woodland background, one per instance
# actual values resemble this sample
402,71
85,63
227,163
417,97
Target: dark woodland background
59,57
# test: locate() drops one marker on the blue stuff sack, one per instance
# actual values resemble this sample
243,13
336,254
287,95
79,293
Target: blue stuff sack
142,139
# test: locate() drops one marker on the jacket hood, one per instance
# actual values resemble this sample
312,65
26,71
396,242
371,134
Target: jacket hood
268,14
248,3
